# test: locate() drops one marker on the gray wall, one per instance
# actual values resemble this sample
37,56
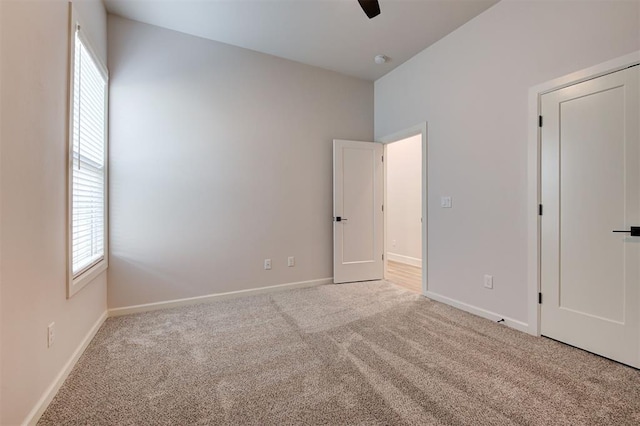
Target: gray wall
220,157
33,221
472,88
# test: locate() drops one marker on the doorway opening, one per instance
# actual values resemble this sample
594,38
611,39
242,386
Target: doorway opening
405,208
403,213
360,239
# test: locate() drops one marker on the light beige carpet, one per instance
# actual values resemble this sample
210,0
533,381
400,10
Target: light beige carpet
364,353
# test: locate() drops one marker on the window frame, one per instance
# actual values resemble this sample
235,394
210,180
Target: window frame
88,274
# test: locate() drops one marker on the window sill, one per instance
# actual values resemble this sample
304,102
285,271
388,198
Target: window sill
78,283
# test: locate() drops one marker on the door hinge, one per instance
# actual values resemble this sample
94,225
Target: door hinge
382,158
540,298
383,207
383,256
539,121
539,209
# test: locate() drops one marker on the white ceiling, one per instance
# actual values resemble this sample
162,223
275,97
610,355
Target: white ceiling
331,34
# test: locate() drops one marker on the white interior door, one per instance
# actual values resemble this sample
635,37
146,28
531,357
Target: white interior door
357,211
591,187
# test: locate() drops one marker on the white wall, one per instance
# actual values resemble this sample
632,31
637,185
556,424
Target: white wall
472,88
403,207
220,157
33,110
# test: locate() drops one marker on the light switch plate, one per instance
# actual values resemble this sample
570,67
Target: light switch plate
445,202
488,281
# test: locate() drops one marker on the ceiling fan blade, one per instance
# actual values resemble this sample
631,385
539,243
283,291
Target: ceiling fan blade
371,7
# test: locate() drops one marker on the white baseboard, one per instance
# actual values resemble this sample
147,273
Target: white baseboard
54,387
509,322
216,296
407,260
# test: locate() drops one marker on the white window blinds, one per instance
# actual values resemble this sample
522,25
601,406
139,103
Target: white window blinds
88,161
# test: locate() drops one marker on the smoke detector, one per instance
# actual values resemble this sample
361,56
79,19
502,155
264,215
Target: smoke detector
381,59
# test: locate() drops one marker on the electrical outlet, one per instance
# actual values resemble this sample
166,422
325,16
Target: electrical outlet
488,281
51,334
267,264
393,243
445,202
291,261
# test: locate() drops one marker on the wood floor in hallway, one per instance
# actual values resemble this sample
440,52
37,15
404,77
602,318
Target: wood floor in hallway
405,276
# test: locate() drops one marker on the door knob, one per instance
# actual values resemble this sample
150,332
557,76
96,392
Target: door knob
634,231
339,219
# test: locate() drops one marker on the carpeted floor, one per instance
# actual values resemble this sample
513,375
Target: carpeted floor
364,353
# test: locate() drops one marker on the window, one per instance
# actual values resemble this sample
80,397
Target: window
87,165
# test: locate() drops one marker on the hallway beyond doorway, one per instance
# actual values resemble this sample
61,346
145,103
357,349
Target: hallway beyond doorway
406,276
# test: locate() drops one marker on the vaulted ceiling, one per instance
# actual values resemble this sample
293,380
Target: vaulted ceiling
331,34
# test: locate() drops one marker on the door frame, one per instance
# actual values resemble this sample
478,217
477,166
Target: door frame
418,129
534,172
